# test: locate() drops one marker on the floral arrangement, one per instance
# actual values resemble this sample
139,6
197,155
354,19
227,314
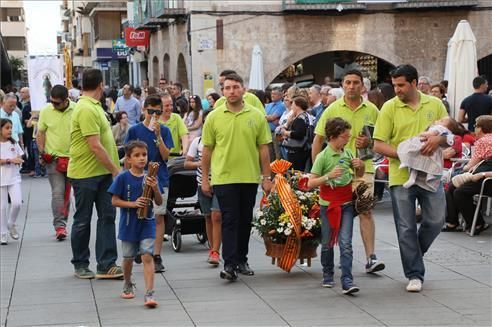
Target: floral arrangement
273,222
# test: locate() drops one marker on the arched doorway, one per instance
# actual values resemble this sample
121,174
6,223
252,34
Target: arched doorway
155,71
181,73
485,68
165,66
314,69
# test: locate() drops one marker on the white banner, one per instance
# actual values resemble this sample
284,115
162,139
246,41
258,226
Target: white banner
43,73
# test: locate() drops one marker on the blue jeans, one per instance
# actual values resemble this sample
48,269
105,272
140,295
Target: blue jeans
38,169
90,191
344,242
414,243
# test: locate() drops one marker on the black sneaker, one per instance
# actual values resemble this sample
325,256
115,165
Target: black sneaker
374,265
158,266
243,268
229,273
349,288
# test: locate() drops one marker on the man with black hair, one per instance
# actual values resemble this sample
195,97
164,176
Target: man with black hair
129,104
93,163
53,138
475,105
405,116
176,90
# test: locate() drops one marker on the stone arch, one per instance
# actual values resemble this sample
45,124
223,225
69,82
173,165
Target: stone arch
295,54
181,71
165,66
155,71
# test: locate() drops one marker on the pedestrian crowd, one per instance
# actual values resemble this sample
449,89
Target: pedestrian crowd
112,148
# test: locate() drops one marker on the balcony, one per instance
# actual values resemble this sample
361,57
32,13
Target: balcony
151,14
327,5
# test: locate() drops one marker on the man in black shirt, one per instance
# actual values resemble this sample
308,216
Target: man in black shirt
477,104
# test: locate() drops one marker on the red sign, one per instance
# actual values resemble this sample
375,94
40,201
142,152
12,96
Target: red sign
135,38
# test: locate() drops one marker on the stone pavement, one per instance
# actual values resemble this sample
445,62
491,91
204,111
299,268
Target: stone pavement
38,287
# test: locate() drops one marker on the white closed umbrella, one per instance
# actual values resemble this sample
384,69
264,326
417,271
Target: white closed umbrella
461,66
256,76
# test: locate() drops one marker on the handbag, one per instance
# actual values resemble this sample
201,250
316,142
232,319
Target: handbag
62,164
293,144
466,177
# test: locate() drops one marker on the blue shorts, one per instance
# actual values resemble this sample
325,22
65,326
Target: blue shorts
131,249
207,204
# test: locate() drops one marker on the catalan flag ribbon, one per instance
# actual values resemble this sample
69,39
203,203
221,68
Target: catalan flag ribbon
293,209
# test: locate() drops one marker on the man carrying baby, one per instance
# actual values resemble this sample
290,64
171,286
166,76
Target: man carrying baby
405,116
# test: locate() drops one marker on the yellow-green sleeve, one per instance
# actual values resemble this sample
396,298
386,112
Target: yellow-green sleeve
41,123
264,134
219,102
318,166
88,122
182,130
442,111
384,124
208,137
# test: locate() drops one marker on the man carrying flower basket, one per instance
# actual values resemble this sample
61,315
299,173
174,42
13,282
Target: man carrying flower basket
333,172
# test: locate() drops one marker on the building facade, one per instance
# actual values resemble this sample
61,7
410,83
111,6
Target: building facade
13,30
192,41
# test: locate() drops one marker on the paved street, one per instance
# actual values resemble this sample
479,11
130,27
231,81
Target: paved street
38,286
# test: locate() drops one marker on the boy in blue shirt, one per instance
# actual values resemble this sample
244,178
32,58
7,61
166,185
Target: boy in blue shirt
136,235
159,142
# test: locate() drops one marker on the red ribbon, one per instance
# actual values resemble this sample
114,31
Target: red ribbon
337,196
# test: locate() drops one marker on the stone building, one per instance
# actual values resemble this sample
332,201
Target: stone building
192,41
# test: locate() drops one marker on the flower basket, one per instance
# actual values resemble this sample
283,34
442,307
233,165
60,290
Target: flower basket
275,250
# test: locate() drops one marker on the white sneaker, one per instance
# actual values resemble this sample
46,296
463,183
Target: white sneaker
13,232
3,239
414,285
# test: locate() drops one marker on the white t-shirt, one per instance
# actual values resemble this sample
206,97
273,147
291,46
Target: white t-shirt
195,151
9,174
74,94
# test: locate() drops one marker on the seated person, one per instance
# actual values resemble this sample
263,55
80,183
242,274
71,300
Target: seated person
460,199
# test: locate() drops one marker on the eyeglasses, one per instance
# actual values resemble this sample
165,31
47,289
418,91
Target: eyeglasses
56,103
154,111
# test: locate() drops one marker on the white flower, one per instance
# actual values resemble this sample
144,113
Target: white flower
281,223
302,197
287,231
263,222
289,225
259,213
280,229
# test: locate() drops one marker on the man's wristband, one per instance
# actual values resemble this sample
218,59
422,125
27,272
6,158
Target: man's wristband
266,177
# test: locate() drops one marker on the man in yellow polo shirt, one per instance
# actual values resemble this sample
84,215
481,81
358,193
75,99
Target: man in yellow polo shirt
248,97
405,116
93,163
235,139
53,138
359,113
175,123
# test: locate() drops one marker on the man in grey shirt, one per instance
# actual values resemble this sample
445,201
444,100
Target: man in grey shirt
129,104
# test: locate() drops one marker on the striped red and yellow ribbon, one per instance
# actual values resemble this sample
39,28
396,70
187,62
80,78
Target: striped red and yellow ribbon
293,209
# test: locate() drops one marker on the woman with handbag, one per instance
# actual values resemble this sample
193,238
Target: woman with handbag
459,196
296,135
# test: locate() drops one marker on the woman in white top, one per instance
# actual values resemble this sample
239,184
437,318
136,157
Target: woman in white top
10,181
193,118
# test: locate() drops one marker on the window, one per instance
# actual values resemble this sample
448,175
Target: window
14,42
11,15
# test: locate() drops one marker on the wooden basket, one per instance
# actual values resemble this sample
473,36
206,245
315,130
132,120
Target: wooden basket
275,250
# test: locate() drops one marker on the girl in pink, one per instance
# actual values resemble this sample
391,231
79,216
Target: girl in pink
10,181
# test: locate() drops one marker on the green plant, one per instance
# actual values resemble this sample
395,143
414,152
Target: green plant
17,65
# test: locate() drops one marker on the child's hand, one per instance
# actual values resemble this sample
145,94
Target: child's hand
357,163
336,172
152,182
17,161
140,202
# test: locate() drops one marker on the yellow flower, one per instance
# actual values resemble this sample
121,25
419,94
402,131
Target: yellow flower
284,217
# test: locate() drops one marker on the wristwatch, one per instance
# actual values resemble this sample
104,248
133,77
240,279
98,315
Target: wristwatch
266,177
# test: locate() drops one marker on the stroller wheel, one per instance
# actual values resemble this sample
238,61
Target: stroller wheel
176,240
202,237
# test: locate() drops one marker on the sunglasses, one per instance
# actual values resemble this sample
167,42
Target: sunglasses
154,111
56,103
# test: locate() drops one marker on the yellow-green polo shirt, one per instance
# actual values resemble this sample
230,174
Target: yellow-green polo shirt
398,122
327,160
235,138
88,119
56,125
178,130
248,97
365,114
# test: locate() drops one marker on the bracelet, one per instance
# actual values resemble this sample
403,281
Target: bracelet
266,177
8,162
